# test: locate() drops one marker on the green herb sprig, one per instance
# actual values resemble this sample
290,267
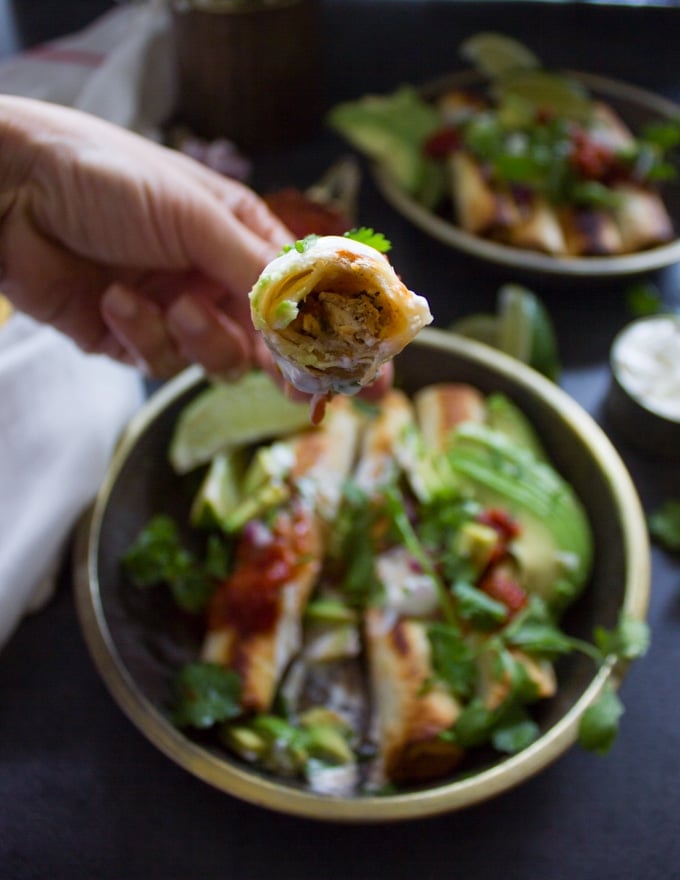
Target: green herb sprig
363,234
664,524
370,237
157,557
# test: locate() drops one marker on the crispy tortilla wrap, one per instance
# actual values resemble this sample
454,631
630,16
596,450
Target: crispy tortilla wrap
333,312
257,632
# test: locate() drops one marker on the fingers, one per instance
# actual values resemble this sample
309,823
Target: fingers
257,216
140,328
239,199
207,336
164,340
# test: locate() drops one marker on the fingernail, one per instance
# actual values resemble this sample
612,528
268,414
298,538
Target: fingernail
120,303
188,317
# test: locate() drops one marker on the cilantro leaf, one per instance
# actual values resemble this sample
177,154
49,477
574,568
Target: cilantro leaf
206,693
366,235
353,544
476,606
643,298
452,658
474,725
627,641
395,509
192,590
665,135
157,556
515,731
541,638
600,723
664,524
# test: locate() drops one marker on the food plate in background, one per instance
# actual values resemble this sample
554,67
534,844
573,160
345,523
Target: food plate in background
138,638
636,106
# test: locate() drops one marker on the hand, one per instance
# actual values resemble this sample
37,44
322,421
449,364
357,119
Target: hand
130,248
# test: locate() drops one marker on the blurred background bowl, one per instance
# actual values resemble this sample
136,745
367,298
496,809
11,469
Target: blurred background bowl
138,640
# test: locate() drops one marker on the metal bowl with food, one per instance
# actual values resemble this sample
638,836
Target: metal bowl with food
550,171
305,758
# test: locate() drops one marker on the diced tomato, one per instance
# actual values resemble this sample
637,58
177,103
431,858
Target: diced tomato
505,527
500,585
592,160
442,142
266,560
500,520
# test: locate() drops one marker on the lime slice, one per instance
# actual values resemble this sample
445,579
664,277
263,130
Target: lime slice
545,91
497,54
526,331
480,327
218,494
230,415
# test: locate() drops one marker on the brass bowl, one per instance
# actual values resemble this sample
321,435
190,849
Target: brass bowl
138,640
637,107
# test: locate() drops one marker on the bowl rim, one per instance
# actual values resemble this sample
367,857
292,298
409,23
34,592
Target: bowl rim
449,233
264,792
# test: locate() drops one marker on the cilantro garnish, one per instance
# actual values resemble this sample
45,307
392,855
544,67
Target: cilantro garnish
478,607
353,541
301,245
205,694
514,731
600,723
157,556
366,235
664,524
452,658
643,298
363,234
628,640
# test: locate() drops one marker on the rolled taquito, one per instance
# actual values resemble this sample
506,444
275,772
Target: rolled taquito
332,311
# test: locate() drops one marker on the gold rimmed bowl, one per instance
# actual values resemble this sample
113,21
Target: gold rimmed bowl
138,640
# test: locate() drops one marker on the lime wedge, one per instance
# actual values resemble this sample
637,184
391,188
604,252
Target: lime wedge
225,416
497,54
480,327
526,331
545,91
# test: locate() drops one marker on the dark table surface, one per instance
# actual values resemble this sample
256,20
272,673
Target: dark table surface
84,794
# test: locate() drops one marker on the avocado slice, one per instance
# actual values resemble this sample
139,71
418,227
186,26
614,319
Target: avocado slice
390,129
264,485
555,548
219,493
504,416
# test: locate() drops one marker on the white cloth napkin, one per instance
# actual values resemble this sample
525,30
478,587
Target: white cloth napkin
119,67
61,411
